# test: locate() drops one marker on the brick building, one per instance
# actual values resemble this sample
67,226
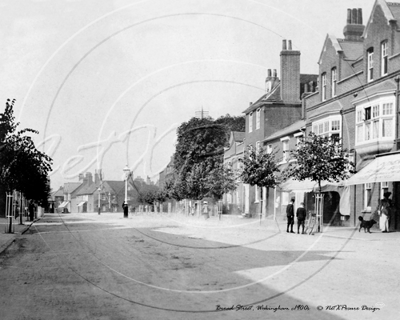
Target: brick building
356,98
278,108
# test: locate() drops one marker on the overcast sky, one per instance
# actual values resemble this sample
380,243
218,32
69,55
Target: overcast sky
107,82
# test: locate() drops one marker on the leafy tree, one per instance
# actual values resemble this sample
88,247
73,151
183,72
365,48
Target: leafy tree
319,159
219,181
199,155
259,168
22,167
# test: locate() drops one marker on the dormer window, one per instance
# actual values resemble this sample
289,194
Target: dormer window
370,64
384,58
333,81
323,86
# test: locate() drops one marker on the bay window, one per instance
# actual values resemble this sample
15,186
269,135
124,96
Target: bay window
328,127
375,121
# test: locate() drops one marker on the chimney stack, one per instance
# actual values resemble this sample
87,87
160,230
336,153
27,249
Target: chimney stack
290,75
354,28
89,178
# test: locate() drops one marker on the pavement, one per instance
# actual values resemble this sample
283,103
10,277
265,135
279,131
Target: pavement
6,239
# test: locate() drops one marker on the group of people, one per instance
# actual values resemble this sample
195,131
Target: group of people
300,215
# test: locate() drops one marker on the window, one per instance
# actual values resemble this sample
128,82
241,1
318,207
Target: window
258,146
285,149
334,81
370,64
269,148
384,188
251,122
299,139
258,119
384,57
328,127
374,122
323,86
368,195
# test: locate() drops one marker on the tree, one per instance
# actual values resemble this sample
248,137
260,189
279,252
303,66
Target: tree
22,167
219,181
199,154
319,158
259,168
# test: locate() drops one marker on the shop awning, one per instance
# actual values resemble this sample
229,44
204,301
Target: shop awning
81,203
381,169
63,205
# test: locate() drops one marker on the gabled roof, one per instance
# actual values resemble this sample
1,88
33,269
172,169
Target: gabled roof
273,96
115,186
70,187
238,136
293,128
391,11
58,193
87,189
351,49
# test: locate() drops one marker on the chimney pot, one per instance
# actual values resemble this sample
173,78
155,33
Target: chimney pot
289,44
360,19
251,103
284,45
275,74
269,73
311,86
354,16
348,16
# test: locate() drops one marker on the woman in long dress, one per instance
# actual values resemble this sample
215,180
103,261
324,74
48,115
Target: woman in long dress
384,215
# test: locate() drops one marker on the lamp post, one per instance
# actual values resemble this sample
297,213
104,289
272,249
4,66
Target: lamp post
125,205
99,210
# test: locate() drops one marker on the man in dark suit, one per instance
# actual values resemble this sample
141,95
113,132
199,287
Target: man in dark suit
301,217
290,216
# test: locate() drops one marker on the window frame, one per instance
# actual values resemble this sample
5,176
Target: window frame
250,122
384,58
323,86
327,122
333,81
370,64
258,118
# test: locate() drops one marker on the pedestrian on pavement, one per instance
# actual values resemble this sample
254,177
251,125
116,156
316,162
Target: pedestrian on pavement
205,210
31,208
385,212
290,215
301,217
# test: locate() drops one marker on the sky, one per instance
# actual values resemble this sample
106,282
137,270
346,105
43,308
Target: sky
107,82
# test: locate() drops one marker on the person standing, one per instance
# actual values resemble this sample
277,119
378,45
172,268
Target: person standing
301,217
385,212
290,215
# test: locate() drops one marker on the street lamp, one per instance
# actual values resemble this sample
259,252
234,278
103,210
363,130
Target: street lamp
125,205
99,199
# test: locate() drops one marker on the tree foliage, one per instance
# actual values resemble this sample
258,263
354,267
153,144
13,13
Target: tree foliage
198,158
319,159
259,168
22,167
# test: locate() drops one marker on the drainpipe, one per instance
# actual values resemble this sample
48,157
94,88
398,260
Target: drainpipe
397,79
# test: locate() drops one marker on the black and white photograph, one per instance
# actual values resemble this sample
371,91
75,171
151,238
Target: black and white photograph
199,159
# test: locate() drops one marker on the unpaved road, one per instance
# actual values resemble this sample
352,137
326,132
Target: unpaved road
147,267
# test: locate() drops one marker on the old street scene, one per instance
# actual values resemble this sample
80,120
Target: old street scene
200,160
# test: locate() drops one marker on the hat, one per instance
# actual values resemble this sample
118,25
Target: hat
292,199
387,194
